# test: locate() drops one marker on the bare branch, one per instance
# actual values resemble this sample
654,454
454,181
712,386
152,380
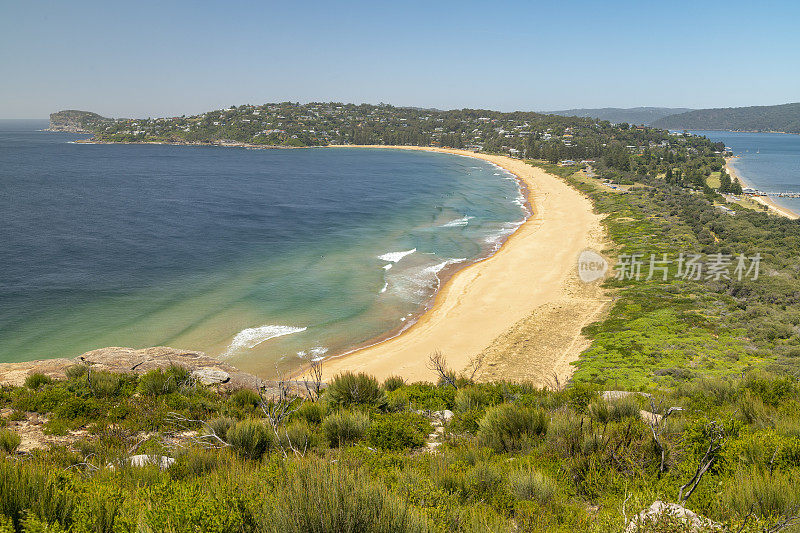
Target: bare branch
717,440
438,363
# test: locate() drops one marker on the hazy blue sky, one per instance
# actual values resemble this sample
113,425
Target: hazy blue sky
149,58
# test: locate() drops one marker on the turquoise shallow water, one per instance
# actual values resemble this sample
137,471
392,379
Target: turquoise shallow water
269,258
769,161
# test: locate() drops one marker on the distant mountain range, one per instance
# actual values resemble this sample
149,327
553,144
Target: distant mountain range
784,118
634,115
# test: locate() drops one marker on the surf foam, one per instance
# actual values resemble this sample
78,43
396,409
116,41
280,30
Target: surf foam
251,337
394,257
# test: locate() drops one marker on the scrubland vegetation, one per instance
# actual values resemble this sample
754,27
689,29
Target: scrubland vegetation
364,456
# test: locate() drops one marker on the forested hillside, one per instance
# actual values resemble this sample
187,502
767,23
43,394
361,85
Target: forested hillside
784,118
616,115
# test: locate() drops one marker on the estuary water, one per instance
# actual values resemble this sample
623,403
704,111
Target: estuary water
768,161
266,258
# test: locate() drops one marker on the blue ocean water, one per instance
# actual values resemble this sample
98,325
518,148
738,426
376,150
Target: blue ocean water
267,257
769,161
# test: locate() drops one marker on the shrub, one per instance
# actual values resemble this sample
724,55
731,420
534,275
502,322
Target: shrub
221,426
344,427
245,399
105,383
470,398
355,389
161,381
320,497
398,431
75,371
752,409
297,436
251,438
465,422
484,480
393,383
36,490
311,412
9,440
194,462
615,410
528,484
36,380
509,427
770,494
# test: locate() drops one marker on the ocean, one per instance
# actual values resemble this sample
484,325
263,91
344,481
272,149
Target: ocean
267,259
768,161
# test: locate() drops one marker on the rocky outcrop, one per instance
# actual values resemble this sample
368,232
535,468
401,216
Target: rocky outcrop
670,514
75,121
207,370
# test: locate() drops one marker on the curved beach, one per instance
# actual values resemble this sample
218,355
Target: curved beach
763,200
520,312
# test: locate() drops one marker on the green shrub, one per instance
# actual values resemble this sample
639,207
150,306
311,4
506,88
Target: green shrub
105,383
311,412
297,436
350,389
344,427
769,494
752,409
393,383
321,497
221,426
528,484
509,427
466,421
245,399
251,438
36,380
398,431
194,462
9,440
75,372
36,490
164,381
469,398
484,480
604,411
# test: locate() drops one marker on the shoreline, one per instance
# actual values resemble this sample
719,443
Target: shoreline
484,300
772,205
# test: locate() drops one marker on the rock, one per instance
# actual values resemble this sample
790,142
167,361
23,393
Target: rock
445,415
211,376
140,461
128,360
659,511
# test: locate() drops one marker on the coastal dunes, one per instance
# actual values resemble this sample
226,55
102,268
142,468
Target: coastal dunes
519,312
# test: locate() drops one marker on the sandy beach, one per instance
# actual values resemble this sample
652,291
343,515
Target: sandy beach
763,200
520,312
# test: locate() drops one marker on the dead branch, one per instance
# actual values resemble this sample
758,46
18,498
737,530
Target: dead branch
207,439
717,441
658,425
279,409
438,363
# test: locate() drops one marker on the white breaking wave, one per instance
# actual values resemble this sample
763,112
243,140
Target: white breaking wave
394,257
387,267
385,286
501,235
318,353
463,221
252,337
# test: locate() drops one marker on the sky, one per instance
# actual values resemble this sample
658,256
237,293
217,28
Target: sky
149,59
